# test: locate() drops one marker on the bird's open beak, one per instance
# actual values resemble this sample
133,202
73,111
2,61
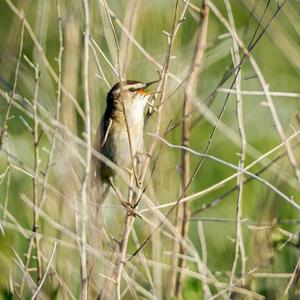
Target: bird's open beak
150,93
147,84
151,82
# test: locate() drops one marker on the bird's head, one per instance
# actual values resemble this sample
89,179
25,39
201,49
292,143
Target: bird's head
131,92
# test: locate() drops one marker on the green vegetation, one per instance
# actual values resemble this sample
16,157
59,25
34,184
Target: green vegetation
243,244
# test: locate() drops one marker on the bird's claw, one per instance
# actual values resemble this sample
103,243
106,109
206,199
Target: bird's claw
130,208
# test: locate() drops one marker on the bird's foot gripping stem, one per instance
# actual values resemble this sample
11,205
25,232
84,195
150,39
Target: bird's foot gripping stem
130,208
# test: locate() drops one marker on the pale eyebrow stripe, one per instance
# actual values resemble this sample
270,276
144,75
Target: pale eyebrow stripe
128,86
135,86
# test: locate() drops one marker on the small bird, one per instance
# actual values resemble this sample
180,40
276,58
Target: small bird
120,133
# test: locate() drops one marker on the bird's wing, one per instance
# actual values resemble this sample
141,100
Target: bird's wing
105,131
100,140
102,132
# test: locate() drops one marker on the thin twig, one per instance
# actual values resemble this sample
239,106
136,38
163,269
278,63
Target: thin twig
233,189
260,93
290,200
206,290
37,161
46,272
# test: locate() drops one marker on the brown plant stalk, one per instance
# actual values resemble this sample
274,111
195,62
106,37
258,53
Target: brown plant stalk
36,183
85,189
183,211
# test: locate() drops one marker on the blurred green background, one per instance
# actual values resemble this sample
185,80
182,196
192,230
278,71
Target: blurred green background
271,225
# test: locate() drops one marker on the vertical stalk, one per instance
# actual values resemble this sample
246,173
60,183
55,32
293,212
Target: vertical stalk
239,244
85,189
183,209
36,174
122,254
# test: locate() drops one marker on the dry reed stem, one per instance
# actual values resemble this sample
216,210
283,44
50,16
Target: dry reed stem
36,136
259,93
190,89
102,75
85,189
34,296
35,184
157,294
231,288
93,42
239,244
21,266
62,283
206,291
139,46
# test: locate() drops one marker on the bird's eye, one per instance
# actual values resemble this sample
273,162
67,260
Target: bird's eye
132,89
